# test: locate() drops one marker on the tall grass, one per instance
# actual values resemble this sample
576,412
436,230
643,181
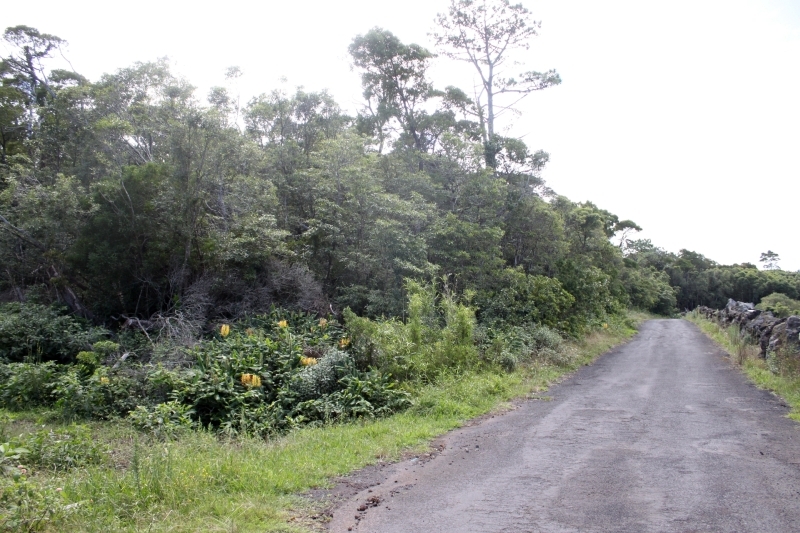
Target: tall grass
780,372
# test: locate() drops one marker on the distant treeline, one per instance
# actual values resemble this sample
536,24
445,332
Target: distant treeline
699,281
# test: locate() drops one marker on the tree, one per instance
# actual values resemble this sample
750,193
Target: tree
624,228
484,33
394,82
770,260
24,70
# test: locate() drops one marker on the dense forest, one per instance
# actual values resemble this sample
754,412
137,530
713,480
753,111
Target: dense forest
133,199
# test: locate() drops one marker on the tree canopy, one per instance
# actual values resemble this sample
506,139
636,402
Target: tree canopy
134,198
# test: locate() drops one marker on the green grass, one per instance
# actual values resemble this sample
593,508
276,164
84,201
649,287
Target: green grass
781,379
200,482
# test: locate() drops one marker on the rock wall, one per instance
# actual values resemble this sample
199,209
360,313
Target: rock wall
769,331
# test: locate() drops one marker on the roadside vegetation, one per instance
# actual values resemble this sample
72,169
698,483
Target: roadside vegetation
176,474
779,372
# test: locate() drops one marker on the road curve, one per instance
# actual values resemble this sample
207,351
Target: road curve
662,434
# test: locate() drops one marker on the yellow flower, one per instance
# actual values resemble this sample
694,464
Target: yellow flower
344,343
225,330
323,323
251,380
283,324
308,361
605,326
104,380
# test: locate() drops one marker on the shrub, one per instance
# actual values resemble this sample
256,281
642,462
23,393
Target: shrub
40,333
24,506
779,305
649,290
518,298
439,335
525,344
281,371
163,420
9,459
322,378
103,394
27,506
27,385
64,448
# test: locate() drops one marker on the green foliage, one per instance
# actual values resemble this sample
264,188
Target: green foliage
27,385
525,344
28,506
24,506
517,298
41,333
700,281
105,348
280,372
10,458
84,390
67,447
75,396
166,419
649,290
88,361
438,336
780,305
591,288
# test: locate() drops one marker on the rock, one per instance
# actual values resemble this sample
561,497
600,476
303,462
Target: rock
737,312
785,334
793,330
761,326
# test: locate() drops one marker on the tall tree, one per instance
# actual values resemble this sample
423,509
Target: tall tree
484,33
770,260
394,83
24,67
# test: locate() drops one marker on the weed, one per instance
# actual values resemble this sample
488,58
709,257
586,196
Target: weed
778,373
62,449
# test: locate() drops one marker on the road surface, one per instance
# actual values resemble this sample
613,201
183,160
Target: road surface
662,434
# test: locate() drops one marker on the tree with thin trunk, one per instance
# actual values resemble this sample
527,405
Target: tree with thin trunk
770,260
485,33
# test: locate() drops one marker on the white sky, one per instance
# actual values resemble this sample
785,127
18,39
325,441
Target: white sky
683,115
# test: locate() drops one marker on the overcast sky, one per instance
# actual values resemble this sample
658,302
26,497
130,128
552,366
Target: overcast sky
682,115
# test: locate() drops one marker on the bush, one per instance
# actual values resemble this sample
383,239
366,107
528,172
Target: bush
518,298
275,375
649,290
27,506
40,333
779,305
164,420
64,448
525,344
26,385
24,506
322,378
438,336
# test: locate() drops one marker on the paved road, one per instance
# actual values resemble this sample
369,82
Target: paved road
659,435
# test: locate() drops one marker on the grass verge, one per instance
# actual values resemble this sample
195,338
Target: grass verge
783,382
200,482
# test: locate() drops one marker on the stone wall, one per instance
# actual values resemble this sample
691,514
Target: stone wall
769,331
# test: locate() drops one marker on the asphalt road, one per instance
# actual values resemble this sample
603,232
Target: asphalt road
662,434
